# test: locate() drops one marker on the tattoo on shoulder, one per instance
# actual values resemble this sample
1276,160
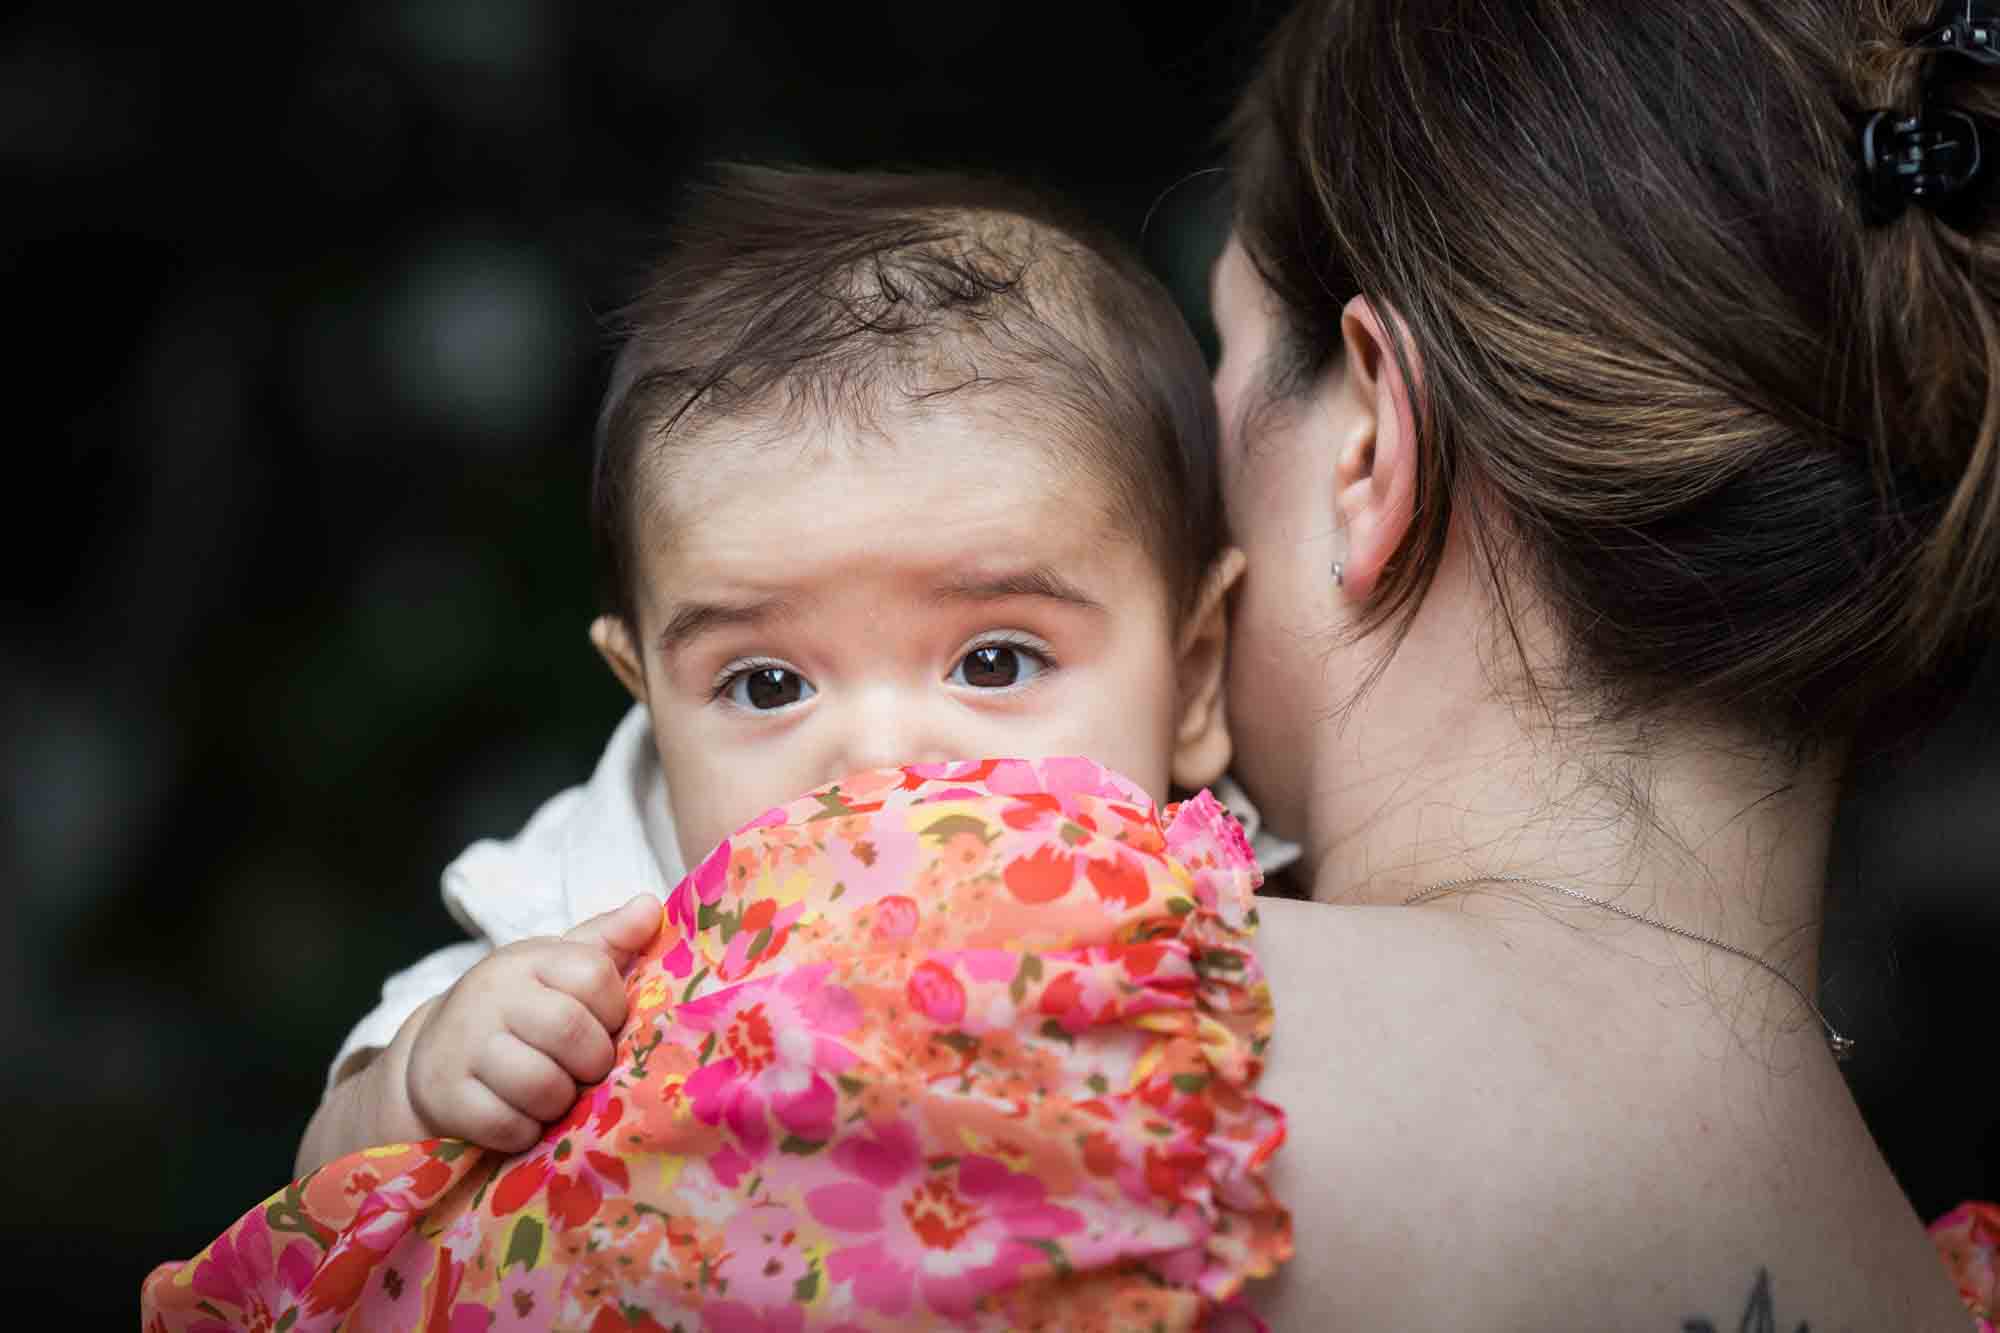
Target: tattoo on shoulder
1759,1316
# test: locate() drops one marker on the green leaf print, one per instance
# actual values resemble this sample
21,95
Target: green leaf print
807,1287
963,1042
1057,1259
1029,972
524,1246
289,1215
947,827
832,805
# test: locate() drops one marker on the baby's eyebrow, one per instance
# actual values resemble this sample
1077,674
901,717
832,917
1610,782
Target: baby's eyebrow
1041,581
691,620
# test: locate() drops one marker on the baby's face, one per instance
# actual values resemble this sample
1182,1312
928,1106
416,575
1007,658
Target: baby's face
840,603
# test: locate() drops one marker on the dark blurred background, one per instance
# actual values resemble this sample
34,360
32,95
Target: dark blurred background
305,315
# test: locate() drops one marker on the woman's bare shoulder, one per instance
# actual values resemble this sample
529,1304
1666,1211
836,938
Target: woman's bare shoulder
1478,1139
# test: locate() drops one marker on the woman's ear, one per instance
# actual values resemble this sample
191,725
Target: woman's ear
1202,748
614,643
1375,470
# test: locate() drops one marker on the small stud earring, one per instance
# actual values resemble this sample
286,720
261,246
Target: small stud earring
1339,574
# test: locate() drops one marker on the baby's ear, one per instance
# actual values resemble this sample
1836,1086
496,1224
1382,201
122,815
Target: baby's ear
616,645
1202,748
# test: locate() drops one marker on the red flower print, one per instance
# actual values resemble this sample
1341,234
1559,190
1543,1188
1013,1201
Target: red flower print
1094,986
1042,876
1030,810
616,1319
1171,1172
1118,880
1100,1154
759,938
1138,960
957,771
573,1172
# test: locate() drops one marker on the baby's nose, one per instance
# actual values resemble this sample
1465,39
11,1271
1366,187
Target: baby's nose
891,729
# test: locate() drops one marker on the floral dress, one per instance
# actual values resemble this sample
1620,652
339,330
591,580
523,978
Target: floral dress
964,1045
1968,1240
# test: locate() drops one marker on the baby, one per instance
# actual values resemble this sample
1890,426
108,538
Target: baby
890,469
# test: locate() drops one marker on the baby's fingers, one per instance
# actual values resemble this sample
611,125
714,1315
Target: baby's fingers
587,974
623,931
528,1081
562,1028
480,1115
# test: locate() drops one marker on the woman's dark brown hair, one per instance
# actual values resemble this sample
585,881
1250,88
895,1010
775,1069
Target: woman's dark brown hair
1746,442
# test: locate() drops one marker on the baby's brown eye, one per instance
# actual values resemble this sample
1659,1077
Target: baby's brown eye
992,667
766,688
998,666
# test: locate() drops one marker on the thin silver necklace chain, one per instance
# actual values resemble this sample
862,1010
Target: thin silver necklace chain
1842,1046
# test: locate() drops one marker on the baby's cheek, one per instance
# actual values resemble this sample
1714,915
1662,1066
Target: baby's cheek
1133,736
703,797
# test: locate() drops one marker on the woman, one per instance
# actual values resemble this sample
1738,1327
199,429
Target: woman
1604,454
1607,447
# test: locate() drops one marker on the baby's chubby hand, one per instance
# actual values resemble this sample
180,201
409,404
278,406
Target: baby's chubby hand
503,1051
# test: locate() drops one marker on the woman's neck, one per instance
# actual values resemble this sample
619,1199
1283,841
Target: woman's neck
1700,836
1433,775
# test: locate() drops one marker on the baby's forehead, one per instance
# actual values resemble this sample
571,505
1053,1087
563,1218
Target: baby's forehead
1006,444
779,487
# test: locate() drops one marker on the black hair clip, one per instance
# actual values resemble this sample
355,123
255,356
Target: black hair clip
1931,158
1967,28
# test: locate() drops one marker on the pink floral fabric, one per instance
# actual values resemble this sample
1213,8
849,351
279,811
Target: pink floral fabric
964,1045
1968,1240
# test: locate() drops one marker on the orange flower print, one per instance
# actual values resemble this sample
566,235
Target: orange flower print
964,853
